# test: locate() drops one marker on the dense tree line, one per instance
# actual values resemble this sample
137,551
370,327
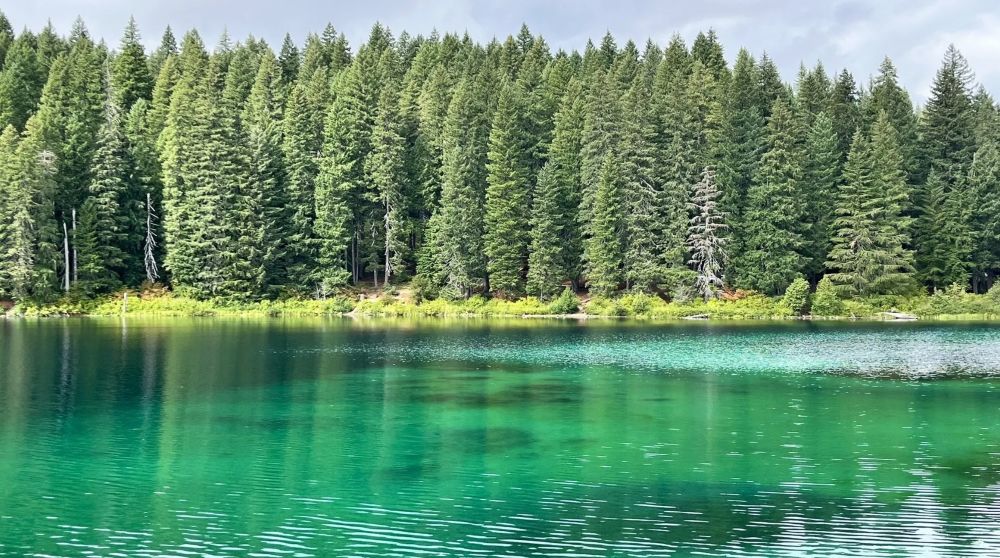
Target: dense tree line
505,168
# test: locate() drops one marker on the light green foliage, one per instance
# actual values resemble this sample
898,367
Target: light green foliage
565,303
826,301
797,297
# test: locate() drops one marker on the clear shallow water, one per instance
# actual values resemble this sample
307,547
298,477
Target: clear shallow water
392,438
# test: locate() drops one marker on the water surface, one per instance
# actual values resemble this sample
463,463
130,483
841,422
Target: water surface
333,437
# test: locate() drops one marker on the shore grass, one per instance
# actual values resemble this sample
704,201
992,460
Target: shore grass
947,305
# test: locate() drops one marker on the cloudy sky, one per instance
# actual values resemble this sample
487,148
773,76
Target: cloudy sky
842,33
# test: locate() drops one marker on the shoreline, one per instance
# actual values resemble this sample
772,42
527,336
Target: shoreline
940,307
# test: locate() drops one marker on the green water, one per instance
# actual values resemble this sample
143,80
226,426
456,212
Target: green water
392,438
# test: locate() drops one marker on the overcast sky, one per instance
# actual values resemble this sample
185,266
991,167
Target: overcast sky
842,33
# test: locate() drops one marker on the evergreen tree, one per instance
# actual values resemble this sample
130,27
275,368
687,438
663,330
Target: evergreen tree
460,224
948,140
821,177
102,242
770,254
340,182
556,241
6,37
167,49
868,254
263,197
302,141
984,184
289,61
20,82
385,169
845,111
741,144
604,247
28,255
508,197
145,207
130,77
889,97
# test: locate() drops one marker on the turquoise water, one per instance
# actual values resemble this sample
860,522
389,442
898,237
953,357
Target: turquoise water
330,437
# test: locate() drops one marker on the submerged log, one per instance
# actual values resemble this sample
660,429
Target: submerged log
696,317
894,315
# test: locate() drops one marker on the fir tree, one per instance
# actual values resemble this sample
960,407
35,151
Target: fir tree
821,177
130,77
604,247
460,235
167,49
104,228
868,254
20,82
264,195
386,173
556,239
508,197
302,141
770,254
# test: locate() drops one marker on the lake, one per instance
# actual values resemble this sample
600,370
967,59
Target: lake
340,437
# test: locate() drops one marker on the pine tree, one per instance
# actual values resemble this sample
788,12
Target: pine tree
145,208
303,140
289,61
643,261
465,139
385,169
28,254
167,49
821,177
845,111
984,184
340,182
604,247
948,140
771,249
508,196
8,204
706,238
264,195
889,97
556,239
741,144
104,228
6,37
130,77
20,82
868,254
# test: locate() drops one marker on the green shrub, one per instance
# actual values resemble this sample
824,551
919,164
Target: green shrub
600,306
825,301
565,303
796,298
993,297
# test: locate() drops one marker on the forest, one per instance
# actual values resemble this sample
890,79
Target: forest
237,172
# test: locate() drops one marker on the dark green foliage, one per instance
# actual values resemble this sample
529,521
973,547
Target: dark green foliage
459,236
20,82
104,230
508,198
868,254
821,175
773,228
130,78
500,168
